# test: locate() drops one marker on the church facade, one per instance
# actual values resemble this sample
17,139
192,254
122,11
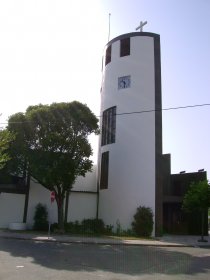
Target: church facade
131,169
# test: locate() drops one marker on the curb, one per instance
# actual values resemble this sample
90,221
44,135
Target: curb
116,243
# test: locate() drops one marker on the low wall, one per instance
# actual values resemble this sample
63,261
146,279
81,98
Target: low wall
81,205
11,208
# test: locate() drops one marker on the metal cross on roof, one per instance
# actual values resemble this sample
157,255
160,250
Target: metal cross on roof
141,26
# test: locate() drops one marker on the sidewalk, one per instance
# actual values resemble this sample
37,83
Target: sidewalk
165,241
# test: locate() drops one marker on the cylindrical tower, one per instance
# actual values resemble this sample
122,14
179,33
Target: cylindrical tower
130,145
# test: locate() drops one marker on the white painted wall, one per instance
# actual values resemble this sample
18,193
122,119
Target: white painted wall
39,194
132,157
81,205
11,208
87,183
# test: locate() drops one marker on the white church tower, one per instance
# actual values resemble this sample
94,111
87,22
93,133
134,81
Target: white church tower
130,146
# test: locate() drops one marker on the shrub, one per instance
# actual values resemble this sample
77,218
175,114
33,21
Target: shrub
73,227
127,232
108,229
93,226
40,217
87,226
143,221
54,227
118,227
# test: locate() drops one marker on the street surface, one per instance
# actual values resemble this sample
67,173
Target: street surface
33,260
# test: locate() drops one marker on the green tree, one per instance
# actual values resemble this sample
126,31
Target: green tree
18,125
5,140
52,146
198,199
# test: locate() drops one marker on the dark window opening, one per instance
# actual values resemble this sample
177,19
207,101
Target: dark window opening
125,47
108,54
104,170
108,126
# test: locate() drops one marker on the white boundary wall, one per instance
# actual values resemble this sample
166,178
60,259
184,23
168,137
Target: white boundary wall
81,205
11,209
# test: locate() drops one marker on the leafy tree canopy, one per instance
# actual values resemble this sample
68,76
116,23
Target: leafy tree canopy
52,144
198,197
5,140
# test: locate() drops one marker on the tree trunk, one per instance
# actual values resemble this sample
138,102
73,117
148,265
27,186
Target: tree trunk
28,180
66,206
202,225
60,215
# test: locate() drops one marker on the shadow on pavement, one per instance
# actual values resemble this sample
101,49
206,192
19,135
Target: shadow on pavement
129,260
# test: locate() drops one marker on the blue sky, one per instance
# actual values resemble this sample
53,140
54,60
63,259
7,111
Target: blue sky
50,51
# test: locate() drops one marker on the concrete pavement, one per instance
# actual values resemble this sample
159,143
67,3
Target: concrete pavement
166,240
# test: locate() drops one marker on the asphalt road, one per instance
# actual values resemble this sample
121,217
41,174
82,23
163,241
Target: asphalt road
20,259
